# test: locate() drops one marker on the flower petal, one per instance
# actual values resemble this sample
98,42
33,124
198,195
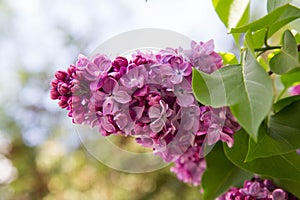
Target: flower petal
157,125
121,96
109,106
109,84
186,100
106,125
154,112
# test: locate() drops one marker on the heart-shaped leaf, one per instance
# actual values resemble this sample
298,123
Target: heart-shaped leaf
246,88
287,59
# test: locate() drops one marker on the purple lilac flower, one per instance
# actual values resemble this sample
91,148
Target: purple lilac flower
111,96
159,114
190,166
149,97
218,124
180,69
257,188
184,94
135,77
203,57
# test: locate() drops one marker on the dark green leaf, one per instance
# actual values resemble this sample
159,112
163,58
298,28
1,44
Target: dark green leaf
285,166
273,4
291,78
273,21
247,89
282,136
285,102
287,59
216,180
291,186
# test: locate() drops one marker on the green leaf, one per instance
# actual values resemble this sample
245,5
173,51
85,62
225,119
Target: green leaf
287,59
278,106
216,180
249,42
291,78
272,21
246,88
233,13
282,136
258,38
285,166
273,4
228,58
291,186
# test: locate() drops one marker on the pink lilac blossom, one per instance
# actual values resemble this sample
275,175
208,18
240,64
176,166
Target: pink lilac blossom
149,96
257,188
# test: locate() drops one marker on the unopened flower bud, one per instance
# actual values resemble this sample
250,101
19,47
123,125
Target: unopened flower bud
119,62
54,94
63,88
61,75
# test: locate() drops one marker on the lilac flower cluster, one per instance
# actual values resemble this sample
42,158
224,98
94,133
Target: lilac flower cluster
257,188
149,96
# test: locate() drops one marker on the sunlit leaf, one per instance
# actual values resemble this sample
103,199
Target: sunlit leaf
228,58
233,13
246,88
272,21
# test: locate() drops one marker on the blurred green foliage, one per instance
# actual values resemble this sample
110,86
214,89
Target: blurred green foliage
55,166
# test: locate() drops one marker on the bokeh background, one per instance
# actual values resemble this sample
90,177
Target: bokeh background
41,156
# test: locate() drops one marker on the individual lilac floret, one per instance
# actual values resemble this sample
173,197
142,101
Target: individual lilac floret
295,90
180,69
112,96
257,188
203,57
159,114
135,77
218,124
